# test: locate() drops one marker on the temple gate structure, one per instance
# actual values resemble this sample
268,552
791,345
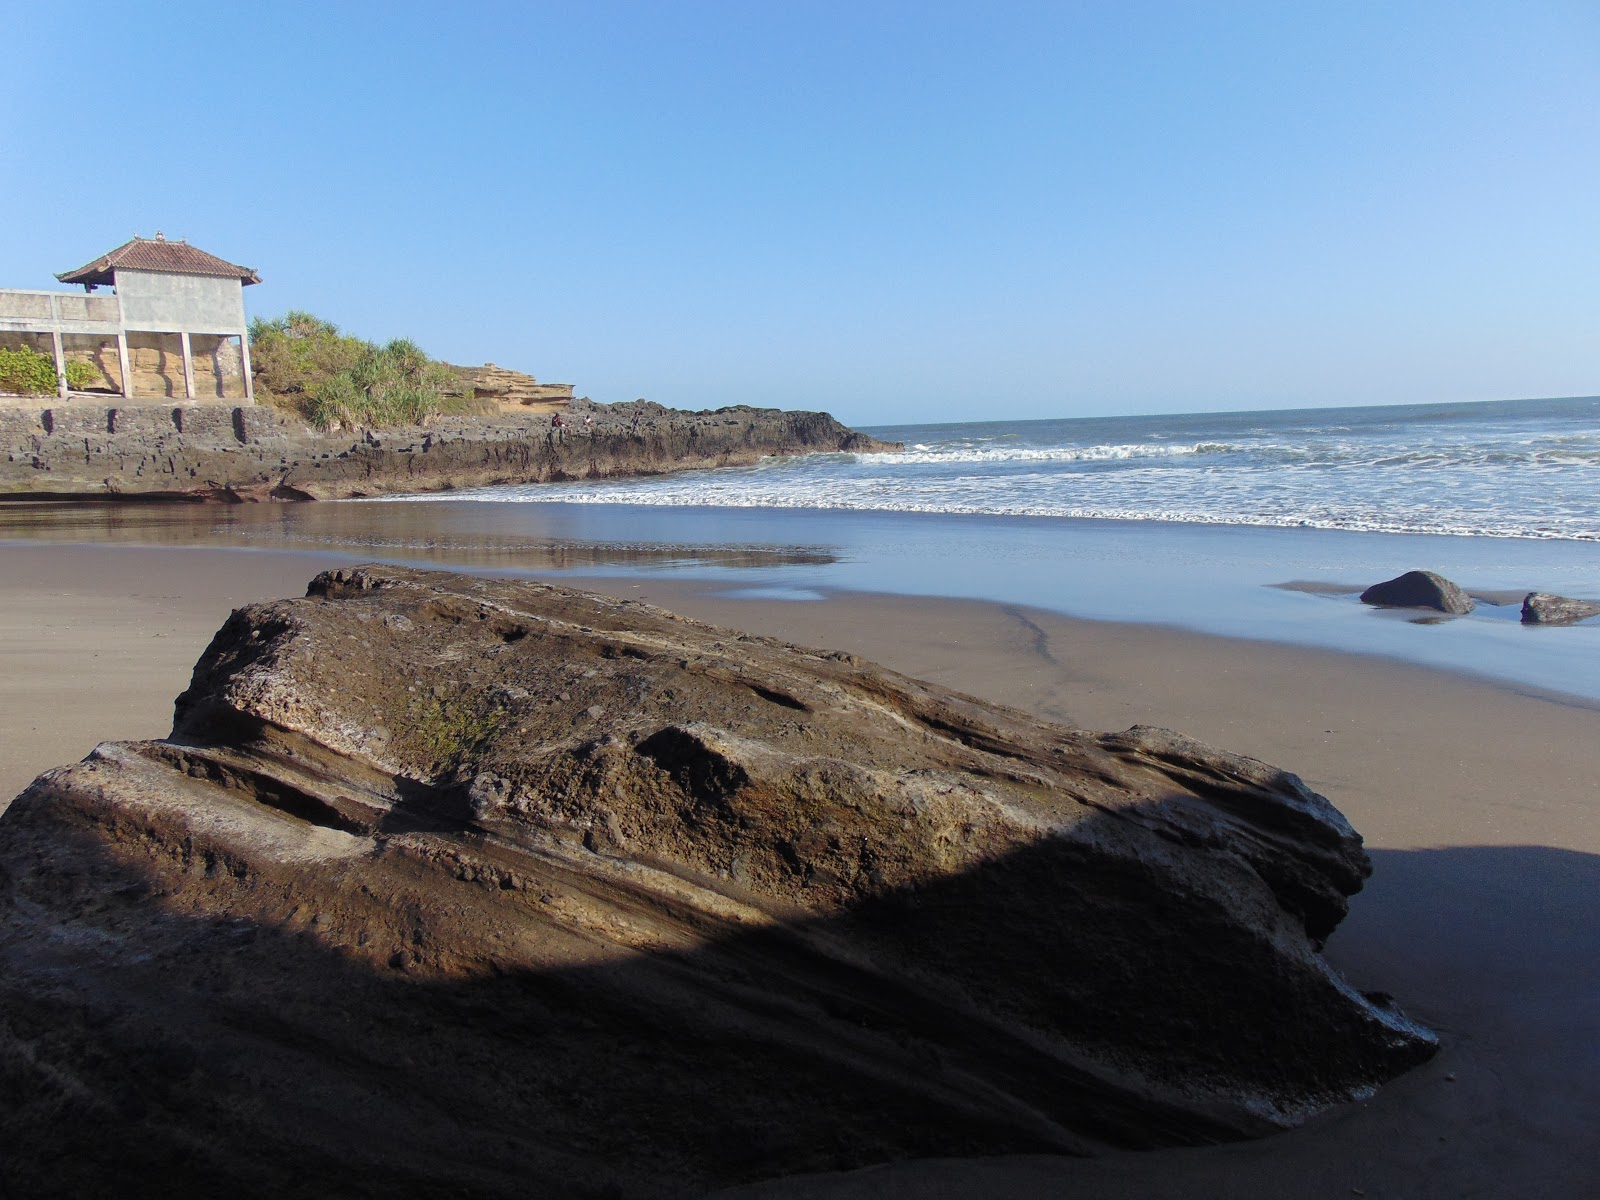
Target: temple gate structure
173,326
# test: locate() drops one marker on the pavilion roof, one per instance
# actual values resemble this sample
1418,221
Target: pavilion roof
158,254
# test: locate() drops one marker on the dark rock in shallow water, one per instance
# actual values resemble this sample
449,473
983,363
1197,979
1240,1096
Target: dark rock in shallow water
1419,589
455,885
1541,608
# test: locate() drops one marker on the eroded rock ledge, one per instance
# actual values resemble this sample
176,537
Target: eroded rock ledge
450,885
213,452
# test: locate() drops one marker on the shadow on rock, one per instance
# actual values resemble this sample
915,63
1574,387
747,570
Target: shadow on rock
448,886
1493,945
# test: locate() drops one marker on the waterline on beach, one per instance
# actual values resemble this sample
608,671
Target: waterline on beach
1212,579
1193,521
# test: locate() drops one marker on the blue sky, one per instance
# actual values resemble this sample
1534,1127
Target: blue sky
894,211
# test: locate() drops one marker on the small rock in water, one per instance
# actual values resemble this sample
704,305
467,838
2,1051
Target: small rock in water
1541,608
1419,589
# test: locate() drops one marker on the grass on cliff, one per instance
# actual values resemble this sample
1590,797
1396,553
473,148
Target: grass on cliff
305,364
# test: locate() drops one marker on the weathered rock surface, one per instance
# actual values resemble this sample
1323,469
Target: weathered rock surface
513,389
1419,589
1543,608
215,452
455,886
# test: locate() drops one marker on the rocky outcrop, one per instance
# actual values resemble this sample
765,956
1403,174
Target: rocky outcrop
1542,608
512,389
449,885
1419,589
212,452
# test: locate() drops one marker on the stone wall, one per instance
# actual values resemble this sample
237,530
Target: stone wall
218,366
255,452
156,360
11,339
100,352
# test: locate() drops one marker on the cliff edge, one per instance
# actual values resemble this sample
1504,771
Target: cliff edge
214,452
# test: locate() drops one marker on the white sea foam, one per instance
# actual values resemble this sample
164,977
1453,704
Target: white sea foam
1325,517
920,455
1505,471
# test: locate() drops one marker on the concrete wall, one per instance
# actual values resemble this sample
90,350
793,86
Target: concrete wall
64,312
86,308
11,340
30,306
180,303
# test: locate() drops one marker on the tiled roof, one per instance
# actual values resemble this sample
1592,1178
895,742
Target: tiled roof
158,254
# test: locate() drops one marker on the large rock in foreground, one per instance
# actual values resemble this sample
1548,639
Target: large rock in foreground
454,886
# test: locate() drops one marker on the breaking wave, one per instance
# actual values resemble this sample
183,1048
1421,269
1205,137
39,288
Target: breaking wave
1513,470
924,455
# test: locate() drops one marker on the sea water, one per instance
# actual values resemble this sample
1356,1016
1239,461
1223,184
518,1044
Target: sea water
1193,520
1262,525
1518,469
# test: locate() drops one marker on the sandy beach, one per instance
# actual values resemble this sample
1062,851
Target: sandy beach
1476,800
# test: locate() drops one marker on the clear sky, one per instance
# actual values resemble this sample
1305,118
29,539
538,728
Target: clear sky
894,211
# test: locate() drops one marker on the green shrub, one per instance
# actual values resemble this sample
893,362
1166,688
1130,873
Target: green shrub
296,352
27,372
81,375
304,363
394,385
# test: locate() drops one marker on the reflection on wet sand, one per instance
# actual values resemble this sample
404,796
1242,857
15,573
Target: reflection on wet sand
463,534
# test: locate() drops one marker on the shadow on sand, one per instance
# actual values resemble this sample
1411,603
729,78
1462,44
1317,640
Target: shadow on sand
1497,947
149,1049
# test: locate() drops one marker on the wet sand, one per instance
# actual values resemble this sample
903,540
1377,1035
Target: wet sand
1477,801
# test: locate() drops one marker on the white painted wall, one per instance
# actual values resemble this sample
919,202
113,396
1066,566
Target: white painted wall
153,300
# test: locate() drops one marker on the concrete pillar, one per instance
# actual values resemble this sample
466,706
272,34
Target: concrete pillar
61,364
188,366
244,357
127,366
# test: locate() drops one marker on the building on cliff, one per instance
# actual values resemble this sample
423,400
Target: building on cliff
173,326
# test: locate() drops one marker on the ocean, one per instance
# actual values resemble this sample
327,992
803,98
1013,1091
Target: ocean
1260,525
1522,469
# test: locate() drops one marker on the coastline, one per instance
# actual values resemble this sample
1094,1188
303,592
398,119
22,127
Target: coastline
1472,797
233,454
1296,587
